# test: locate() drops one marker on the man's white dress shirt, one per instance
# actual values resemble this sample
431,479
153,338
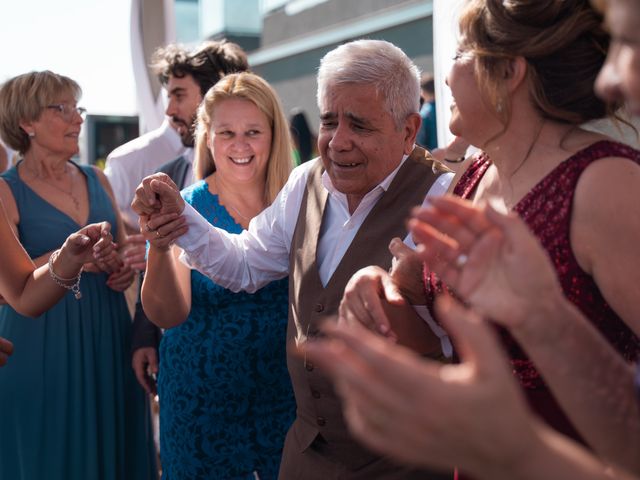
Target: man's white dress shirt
260,254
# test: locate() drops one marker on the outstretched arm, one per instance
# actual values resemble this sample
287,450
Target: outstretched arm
31,291
245,261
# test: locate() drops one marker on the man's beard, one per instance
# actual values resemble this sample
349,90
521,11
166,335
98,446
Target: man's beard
187,132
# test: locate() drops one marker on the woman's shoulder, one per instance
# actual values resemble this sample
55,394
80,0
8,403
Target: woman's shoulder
607,165
595,146
10,175
92,173
607,179
195,191
95,174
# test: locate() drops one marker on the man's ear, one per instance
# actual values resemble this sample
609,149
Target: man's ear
515,72
411,127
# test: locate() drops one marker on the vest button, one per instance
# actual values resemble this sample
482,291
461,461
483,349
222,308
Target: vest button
319,307
321,421
308,366
315,394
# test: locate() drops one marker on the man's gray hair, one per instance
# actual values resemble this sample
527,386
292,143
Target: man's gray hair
373,62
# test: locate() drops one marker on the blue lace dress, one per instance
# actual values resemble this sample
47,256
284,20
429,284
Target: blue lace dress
70,407
225,396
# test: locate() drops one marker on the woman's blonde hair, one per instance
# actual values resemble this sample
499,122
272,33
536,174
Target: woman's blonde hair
23,98
250,87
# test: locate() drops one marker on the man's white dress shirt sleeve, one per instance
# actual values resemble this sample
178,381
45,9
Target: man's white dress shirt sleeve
260,254
255,257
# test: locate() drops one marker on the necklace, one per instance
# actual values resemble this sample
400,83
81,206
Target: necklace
533,143
228,204
36,176
238,212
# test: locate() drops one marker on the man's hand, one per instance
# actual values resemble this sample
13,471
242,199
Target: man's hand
157,194
363,298
145,365
371,288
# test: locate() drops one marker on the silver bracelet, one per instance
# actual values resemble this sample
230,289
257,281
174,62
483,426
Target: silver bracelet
64,282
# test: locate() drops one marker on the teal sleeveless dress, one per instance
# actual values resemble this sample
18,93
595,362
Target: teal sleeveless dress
70,407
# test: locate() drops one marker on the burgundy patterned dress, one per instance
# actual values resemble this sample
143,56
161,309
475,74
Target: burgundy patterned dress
546,209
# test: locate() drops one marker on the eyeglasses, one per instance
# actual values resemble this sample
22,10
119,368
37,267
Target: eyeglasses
67,112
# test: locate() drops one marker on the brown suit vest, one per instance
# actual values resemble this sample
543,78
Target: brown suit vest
318,407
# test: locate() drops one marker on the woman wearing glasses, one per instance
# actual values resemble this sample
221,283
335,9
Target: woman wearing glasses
70,407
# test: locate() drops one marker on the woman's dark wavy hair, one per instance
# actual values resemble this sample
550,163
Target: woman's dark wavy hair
563,42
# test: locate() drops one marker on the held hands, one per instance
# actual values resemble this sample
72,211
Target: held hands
121,279
105,256
159,205
420,411
491,260
157,194
161,230
92,246
89,244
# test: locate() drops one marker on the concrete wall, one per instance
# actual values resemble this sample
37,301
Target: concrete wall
293,77
278,26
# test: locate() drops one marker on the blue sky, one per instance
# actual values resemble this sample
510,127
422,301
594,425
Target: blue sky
87,40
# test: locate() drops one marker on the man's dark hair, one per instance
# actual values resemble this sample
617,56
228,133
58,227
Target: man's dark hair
207,64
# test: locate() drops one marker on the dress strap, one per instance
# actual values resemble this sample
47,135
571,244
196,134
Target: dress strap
471,177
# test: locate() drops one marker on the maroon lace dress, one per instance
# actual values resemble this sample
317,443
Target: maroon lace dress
546,209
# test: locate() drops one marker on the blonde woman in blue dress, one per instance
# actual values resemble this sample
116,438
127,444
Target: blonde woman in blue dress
226,401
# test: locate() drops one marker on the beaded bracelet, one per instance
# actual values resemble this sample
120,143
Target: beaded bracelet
64,282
